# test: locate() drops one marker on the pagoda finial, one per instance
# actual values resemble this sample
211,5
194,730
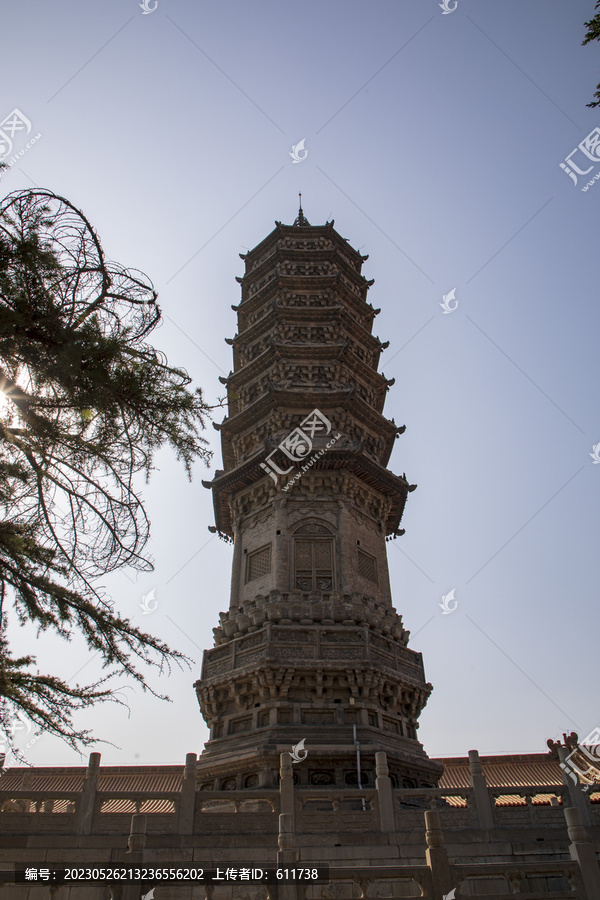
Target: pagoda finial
301,218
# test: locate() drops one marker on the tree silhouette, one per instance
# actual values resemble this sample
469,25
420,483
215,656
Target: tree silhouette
86,403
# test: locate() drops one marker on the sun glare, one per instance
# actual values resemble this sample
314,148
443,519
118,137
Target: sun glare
5,405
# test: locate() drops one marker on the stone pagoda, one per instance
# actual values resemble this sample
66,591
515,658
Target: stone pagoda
311,653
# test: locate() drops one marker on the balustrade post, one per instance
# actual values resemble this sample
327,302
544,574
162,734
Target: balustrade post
571,780
187,799
479,786
22,805
287,855
136,841
134,855
583,852
87,800
286,788
385,798
437,856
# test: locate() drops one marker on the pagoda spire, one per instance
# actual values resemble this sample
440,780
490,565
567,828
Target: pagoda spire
301,218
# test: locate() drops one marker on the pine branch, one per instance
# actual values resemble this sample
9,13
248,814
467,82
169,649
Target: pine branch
90,403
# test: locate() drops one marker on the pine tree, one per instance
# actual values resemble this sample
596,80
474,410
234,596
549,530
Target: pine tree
86,403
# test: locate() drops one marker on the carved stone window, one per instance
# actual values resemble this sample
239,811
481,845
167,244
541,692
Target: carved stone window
367,566
313,558
313,564
258,563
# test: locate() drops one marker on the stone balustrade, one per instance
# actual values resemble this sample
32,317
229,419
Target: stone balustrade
394,819
28,801
457,805
528,806
336,798
135,801
237,801
552,880
542,796
381,881
348,810
434,798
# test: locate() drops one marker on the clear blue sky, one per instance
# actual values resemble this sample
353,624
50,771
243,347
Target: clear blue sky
434,141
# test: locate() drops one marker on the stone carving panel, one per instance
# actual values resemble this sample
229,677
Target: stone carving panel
252,641
343,637
322,777
237,726
341,653
244,659
318,717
